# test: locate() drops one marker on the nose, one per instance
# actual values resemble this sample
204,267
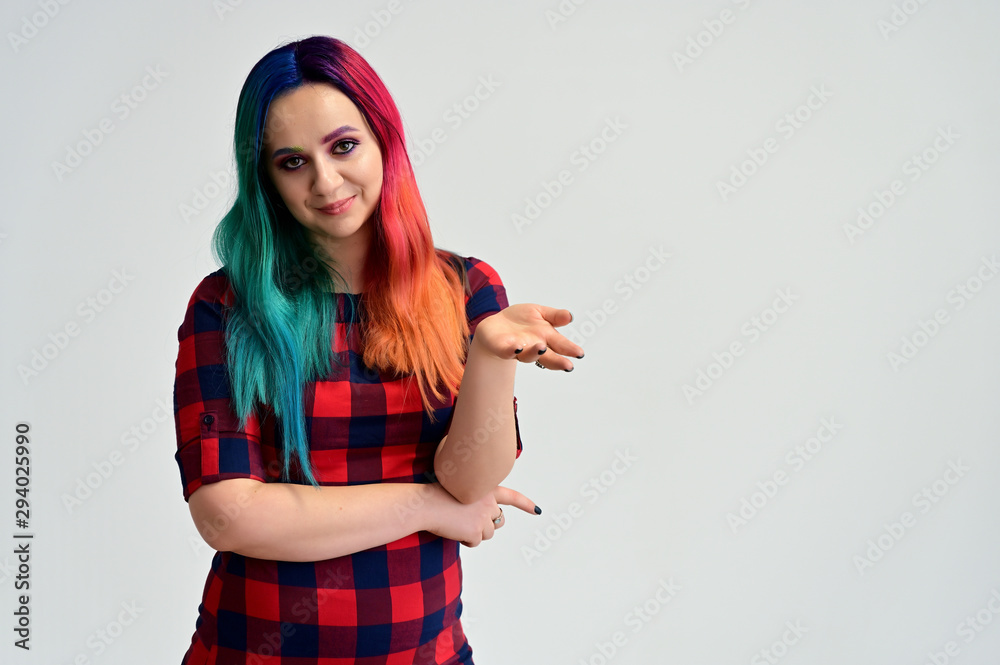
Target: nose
327,177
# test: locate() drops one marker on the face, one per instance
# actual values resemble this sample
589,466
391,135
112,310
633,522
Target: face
325,163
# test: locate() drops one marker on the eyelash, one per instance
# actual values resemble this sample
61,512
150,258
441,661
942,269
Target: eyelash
285,167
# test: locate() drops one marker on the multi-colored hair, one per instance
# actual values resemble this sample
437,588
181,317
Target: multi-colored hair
279,332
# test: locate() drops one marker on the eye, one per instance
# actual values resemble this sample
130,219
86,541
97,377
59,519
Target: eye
287,165
351,143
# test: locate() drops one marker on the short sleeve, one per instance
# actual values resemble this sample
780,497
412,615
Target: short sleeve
486,296
211,446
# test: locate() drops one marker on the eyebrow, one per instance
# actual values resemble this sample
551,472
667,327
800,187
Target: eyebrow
326,139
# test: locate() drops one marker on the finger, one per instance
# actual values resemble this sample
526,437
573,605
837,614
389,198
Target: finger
557,317
528,351
509,497
548,341
553,361
559,343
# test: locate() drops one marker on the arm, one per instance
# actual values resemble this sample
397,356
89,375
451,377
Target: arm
289,522
479,450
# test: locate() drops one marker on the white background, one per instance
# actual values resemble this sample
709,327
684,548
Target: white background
818,553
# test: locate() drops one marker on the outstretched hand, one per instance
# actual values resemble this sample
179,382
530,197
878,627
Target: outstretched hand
527,332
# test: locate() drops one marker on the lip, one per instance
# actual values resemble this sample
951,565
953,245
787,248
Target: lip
337,207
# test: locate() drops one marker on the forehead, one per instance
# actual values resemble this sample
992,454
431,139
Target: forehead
308,110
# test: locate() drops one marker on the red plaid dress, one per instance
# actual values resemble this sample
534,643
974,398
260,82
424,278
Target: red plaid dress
392,604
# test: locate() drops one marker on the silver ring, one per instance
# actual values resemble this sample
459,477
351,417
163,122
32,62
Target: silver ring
497,520
540,364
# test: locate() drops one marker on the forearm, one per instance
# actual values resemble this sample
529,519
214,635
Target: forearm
481,445
289,522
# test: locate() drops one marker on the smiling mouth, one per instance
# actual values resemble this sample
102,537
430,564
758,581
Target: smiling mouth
337,207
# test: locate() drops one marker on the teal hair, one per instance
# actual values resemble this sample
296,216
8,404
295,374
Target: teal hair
280,327
278,333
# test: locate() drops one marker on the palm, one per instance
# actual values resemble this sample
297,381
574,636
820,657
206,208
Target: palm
525,331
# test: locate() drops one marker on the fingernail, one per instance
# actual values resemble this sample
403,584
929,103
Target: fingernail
542,351
517,351
569,370
538,511
580,356
571,317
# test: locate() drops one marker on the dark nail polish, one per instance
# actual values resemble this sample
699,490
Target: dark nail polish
538,511
517,351
569,370
542,351
580,356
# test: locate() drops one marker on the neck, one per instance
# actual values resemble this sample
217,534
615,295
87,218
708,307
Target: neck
348,257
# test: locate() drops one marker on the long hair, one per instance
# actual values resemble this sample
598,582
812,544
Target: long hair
279,331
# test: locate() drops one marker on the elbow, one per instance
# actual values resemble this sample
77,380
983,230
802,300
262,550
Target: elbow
211,528
469,489
220,510
469,481
460,484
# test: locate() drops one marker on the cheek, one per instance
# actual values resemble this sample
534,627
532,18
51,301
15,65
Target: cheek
373,174
285,190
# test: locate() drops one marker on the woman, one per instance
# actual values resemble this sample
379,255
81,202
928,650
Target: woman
329,351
